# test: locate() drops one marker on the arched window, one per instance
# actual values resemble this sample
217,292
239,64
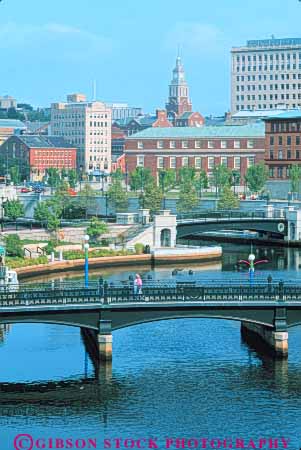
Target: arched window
165,238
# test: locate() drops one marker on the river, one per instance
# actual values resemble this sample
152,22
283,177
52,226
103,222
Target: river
172,379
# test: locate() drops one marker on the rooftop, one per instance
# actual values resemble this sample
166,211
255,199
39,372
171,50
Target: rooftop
274,42
37,141
250,130
293,114
12,123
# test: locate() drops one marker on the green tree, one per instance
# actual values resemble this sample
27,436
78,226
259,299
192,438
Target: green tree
49,213
13,209
72,178
117,196
295,175
186,175
167,179
256,177
188,197
15,174
140,178
53,177
13,245
117,175
201,182
221,176
228,199
87,199
151,198
235,178
96,229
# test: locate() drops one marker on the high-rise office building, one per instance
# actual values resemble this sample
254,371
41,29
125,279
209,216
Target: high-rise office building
266,74
123,111
87,125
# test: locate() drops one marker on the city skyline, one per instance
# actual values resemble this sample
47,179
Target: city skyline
64,47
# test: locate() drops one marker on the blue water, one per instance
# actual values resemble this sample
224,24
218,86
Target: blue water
178,378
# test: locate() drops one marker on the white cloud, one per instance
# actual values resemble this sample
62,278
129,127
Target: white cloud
54,38
195,36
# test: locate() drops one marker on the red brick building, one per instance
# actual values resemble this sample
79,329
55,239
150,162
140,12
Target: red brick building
282,143
33,155
237,147
190,119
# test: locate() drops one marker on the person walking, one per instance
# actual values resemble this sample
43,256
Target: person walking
138,285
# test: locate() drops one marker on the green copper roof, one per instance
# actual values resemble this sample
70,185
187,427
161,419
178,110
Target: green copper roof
251,130
293,114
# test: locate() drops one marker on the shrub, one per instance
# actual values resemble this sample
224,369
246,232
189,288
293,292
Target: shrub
139,248
13,245
50,247
17,262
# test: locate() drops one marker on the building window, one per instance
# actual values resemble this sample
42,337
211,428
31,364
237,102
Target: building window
236,144
279,172
224,161
271,172
140,161
184,144
289,140
198,162
197,144
160,162
210,144
271,140
250,143
140,145
280,140
250,161
271,154
173,162
185,161
160,144
297,140
210,162
280,154
172,144
289,154
237,162
223,144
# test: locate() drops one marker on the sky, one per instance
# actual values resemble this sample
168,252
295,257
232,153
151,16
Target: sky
49,48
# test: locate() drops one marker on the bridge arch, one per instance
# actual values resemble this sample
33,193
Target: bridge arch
243,316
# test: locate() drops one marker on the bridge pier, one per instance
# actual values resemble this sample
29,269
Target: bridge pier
276,341
105,339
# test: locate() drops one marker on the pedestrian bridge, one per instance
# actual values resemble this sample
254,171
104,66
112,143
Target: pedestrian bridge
194,224
271,307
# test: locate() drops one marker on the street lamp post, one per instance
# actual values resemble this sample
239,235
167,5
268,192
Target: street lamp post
251,260
162,175
86,248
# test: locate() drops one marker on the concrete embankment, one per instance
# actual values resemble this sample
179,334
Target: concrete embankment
210,254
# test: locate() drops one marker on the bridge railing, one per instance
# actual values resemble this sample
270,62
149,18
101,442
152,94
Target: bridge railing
191,292
231,214
154,292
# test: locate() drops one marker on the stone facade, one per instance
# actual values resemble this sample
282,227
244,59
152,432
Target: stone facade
88,126
266,74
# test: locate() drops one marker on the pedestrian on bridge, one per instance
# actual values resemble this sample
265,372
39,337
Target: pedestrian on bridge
138,285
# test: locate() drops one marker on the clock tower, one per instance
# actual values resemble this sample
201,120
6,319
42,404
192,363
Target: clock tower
178,101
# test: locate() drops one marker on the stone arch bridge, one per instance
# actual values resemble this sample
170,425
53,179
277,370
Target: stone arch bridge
266,310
